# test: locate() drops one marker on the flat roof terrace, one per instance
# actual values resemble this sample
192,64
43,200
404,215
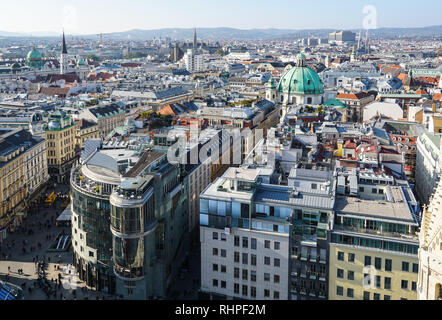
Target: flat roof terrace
394,210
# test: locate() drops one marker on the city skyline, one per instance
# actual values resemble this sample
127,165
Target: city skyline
82,18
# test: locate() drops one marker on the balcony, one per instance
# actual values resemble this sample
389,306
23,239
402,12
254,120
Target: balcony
86,185
379,233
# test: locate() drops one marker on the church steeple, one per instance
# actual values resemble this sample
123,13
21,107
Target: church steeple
63,48
194,40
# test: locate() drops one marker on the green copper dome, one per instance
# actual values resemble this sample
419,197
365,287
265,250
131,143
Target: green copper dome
34,54
301,80
81,62
335,103
34,59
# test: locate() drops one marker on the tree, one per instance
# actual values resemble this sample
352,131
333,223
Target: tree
92,57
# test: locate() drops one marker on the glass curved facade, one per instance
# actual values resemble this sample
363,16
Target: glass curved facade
129,225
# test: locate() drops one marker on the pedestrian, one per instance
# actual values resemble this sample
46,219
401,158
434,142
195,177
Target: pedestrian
9,269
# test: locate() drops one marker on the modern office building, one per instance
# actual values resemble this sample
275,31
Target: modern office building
374,244
342,37
259,241
129,220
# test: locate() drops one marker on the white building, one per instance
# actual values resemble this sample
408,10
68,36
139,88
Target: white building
193,62
427,165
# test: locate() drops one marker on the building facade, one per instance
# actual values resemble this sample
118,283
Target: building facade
60,137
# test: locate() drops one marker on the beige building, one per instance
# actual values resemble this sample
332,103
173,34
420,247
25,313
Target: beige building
374,246
430,252
84,130
60,136
23,174
108,117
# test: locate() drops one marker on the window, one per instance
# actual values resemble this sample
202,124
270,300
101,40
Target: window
253,243
236,241
413,286
350,275
236,256
215,282
350,293
267,244
223,253
215,236
267,261
253,259
388,265
404,284
236,288
245,242
245,274
405,266
387,283
276,295
91,254
253,292
223,284
340,256
266,276
244,290
245,258
374,190
339,291
236,273
351,257
223,237
415,268
387,297
378,263
266,293
223,269
378,282
276,245
376,296
276,262
215,251
340,273
214,267
367,261
276,278
366,295
253,276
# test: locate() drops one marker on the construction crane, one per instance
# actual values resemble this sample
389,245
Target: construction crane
101,40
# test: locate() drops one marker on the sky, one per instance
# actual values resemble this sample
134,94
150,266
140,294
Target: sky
105,16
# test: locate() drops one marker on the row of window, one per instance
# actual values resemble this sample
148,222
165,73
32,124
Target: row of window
388,266
245,257
245,275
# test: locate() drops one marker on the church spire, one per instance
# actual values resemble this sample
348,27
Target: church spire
63,49
194,40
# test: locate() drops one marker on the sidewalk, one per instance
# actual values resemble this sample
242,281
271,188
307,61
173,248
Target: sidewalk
42,223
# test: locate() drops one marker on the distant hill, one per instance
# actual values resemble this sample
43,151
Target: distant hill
240,34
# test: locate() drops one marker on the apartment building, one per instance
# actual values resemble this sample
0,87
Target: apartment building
108,117
60,137
374,244
85,129
23,173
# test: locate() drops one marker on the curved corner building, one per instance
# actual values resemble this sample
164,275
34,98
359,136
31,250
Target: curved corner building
91,187
132,225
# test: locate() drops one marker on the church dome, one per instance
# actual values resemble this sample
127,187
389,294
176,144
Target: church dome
81,62
34,54
301,80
